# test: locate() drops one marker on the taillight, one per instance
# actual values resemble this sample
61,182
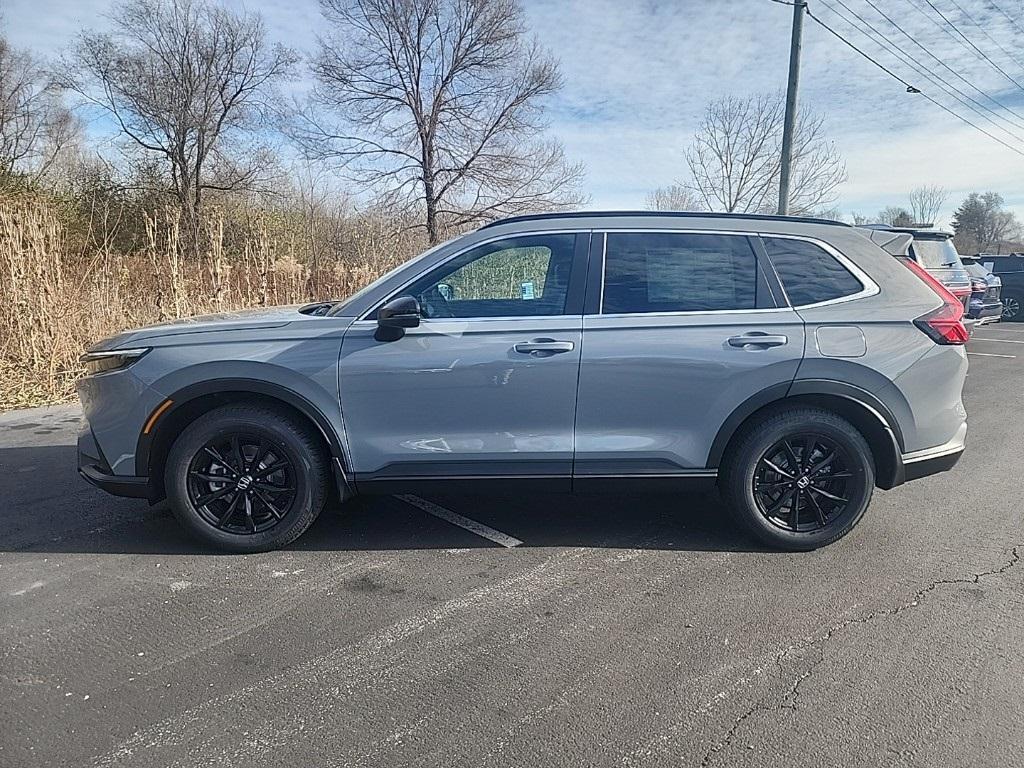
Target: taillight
978,285
945,324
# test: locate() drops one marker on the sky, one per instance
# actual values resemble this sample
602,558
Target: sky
638,75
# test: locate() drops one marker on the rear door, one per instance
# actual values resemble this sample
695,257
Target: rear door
681,329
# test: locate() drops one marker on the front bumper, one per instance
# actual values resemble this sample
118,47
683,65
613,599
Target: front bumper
94,469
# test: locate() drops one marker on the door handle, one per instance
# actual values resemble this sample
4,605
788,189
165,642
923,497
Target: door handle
551,346
757,340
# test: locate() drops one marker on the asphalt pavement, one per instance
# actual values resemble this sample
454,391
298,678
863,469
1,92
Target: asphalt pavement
519,630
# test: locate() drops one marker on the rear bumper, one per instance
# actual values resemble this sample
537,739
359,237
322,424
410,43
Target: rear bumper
94,469
933,466
987,312
930,461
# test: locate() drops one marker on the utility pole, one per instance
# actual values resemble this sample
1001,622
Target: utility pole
791,91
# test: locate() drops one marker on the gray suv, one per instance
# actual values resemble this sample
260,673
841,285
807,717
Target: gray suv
796,363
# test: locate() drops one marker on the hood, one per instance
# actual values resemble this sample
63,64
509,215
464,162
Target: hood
244,320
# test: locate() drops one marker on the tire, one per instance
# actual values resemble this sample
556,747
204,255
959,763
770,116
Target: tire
274,472
1012,305
756,493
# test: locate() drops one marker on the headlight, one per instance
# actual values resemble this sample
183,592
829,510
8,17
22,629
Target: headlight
101,362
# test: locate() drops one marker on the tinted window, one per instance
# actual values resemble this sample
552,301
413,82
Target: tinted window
934,254
517,276
808,272
665,272
1004,265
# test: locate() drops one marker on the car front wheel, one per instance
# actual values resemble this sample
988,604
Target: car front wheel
799,479
246,478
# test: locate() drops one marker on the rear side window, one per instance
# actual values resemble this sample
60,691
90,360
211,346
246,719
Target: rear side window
808,272
668,272
1004,265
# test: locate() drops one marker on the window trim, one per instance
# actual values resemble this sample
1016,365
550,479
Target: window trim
366,318
750,237
868,286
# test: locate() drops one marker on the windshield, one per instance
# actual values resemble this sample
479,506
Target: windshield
974,268
339,307
932,254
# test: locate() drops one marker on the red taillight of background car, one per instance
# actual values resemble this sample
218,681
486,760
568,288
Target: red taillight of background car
978,285
945,324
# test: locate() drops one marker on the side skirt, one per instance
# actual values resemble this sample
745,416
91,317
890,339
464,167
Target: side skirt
703,480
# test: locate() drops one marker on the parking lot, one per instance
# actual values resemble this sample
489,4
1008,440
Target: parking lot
574,631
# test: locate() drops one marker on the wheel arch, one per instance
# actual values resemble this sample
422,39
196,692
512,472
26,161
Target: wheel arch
191,402
861,408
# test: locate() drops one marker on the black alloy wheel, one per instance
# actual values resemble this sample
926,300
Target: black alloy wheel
242,483
798,478
802,482
247,477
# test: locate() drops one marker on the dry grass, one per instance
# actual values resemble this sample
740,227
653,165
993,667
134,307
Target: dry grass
55,300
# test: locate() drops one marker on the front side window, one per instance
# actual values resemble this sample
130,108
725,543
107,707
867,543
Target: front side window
670,272
513,277
808,273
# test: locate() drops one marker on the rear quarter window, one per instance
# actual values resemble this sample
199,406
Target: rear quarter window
808,272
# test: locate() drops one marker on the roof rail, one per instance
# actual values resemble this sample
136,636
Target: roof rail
660,214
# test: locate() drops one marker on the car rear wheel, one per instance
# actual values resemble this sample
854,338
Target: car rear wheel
799,479
246,478
1012,308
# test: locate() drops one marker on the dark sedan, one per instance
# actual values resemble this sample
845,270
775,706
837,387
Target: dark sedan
985,304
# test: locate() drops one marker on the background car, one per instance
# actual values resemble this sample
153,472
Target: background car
1010,269
933,249
985,306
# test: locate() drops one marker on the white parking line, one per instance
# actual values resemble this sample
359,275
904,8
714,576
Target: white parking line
998,341
463,522
989,354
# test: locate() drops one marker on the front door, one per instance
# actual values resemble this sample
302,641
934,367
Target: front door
682,330
486,385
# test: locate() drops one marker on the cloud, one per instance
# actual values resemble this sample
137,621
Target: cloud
638,75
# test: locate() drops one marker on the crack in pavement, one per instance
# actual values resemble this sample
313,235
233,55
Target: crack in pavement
793,693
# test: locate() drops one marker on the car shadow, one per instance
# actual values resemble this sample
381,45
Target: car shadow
46,508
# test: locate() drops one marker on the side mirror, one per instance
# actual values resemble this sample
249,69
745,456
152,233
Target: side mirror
395,316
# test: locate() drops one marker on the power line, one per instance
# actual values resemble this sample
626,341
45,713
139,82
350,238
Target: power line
971,43
1009,18
910,88
912,39
946,87
916,4
985,31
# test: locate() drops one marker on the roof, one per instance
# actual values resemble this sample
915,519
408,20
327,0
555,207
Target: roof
660,215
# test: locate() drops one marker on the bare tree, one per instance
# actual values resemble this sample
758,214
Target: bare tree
674,197
185,81
896,216
735,158
926,202
437,106
34,123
